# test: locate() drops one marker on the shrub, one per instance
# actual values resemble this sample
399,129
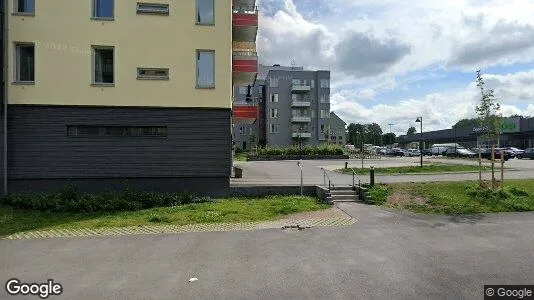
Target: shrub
69,199
305,150
379,194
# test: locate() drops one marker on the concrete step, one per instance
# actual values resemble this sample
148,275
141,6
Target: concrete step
347,200
343,192
341,188
344,197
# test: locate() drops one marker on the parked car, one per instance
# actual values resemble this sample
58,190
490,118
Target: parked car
460,152
528,153
397,152
439,150
413,152
382,151
427,152
515,150
486,154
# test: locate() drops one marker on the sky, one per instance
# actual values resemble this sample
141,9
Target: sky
392,61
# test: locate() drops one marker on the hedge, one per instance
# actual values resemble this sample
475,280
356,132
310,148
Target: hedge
69,199
295,150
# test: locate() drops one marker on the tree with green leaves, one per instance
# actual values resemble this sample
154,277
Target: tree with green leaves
389,138
374,134
489,117
411,130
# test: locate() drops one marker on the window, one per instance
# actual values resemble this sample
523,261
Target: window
251,131
322,98
325,83
103,9
324,114
274,128
312,83
206,69
206,12
153,73
294,97
242,130
274,113
24,63
322,128
103,65
243,90
26,7
273,82
153,8
123,131
274,97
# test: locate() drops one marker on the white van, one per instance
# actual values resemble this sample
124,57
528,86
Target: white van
440,149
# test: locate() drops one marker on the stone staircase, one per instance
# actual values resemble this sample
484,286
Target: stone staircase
343,194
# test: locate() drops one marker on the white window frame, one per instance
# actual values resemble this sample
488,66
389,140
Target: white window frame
273,82
17,63
22,13
93,65
144,8
322,98
242,130
197,21
212,86
274,113
274,97
95,17
273,127
312,83
153,77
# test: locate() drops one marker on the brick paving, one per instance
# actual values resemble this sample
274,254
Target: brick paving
324,218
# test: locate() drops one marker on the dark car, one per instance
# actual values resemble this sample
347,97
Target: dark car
529,153
427,152
397,152
486,153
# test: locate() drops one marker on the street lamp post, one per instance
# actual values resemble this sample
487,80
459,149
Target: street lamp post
300,142
420,120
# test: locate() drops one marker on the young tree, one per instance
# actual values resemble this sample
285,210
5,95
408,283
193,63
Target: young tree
489,118
411,130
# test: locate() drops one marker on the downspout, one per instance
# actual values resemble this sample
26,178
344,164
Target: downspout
6,54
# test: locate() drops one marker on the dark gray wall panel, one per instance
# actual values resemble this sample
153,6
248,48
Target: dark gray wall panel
198,143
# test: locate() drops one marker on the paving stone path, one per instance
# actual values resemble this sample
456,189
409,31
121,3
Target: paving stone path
328,217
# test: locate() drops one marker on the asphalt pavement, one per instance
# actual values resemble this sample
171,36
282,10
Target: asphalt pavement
288,172
385,255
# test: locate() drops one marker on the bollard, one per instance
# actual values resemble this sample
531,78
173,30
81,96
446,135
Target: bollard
372,175
346,165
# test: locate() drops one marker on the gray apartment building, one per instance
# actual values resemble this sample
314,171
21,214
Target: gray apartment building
294,104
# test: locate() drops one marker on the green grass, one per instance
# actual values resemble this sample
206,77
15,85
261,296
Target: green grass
459,197
240,157
430,168
232,210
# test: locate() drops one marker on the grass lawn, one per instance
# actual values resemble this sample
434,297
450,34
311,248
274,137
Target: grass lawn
233,210
240,157
456,197
428,168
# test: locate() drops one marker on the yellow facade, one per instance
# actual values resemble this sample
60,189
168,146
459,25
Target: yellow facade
63,33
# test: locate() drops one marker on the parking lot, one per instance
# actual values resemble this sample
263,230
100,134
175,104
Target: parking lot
288,172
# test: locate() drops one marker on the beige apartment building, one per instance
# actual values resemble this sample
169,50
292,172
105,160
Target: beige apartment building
97,92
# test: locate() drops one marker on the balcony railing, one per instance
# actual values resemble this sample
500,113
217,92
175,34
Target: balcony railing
246,53
246,10
301,86
242,102
300,103
300,119
301,134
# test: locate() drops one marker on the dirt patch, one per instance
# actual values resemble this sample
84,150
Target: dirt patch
402,199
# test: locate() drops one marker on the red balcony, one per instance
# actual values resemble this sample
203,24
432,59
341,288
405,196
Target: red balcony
245,22
245,113
244,66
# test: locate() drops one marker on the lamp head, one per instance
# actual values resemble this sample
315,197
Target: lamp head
419,119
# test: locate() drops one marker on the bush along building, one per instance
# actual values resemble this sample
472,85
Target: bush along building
293,107
515,132
127,91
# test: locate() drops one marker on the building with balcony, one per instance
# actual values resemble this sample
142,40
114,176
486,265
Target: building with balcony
293,107
103,91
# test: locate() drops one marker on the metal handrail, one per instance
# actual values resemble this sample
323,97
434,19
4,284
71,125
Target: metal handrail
359,182
330,182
